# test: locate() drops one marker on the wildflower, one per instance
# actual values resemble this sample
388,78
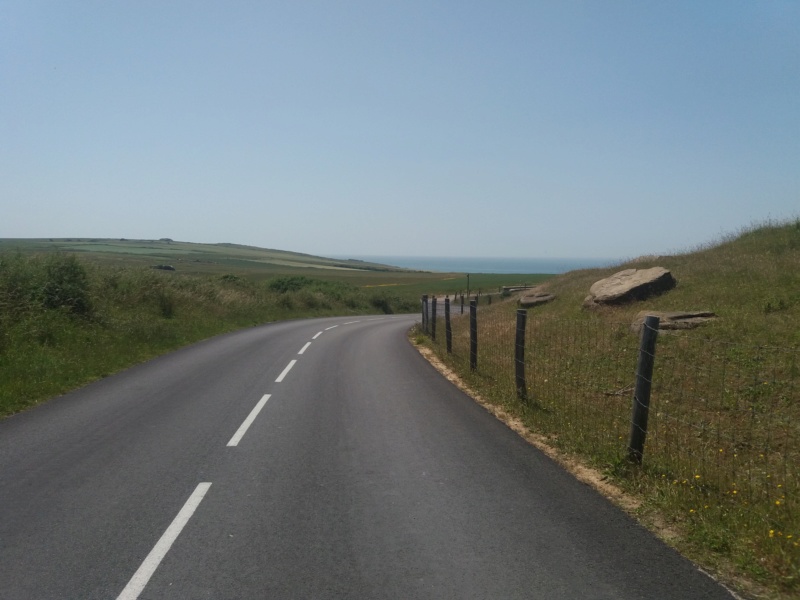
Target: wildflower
777,502
771,533
697,476
691,511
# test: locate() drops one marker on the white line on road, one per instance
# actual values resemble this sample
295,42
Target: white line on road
351,322
331,327
316,336
248,421
139,580
304,348
286,371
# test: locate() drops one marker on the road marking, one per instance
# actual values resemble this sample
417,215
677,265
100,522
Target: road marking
139,580
304,348
351,322
316,336
286,371
331,327
248,421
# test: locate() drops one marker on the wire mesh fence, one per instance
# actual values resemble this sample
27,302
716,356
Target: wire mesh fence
723,438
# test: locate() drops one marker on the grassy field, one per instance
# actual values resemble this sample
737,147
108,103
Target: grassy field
72,311
721,471
259,264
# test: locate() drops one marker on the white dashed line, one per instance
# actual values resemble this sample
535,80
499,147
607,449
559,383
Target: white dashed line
331,327
304,348
248,421
139,580
286,371
316,336
351,322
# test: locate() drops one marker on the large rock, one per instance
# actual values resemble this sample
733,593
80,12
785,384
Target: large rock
629,285
673,320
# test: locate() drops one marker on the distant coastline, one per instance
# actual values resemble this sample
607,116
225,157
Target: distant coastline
487,265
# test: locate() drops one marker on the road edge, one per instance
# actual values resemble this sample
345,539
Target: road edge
591,477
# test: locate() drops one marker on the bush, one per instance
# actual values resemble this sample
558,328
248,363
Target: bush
289,284
66,285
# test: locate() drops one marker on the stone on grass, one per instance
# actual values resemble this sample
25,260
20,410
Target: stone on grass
629,285
536,299
674,320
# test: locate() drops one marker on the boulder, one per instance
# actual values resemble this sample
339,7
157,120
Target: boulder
629,285
536,299
674,320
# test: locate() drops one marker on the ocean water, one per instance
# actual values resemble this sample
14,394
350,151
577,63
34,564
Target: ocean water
489,265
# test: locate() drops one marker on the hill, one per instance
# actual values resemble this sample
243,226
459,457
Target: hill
750,279
720,476
190,257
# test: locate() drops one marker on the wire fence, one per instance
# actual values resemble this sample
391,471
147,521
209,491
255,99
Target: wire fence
723,436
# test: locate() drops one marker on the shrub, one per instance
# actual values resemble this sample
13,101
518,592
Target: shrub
66,285
289,284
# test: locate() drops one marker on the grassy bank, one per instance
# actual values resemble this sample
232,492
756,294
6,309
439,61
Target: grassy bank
721,472
65,322
72,311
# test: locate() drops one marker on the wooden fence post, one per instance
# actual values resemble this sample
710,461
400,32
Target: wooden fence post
448,330
433,319
425,313
641,395
473,334
519,354
462,304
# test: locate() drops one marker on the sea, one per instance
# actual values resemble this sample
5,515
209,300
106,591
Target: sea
488,265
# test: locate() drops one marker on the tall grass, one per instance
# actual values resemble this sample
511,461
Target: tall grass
722,457
64,322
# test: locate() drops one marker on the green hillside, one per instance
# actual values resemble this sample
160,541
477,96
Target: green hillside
720,478
189,257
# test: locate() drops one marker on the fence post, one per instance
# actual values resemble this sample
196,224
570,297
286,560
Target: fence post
433,319
641,395
462,304
448,330
519,354
473,334
425,313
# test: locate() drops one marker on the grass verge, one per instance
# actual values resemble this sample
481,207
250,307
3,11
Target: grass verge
65,322
722,458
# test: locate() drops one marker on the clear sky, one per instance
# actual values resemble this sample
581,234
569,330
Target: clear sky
455,128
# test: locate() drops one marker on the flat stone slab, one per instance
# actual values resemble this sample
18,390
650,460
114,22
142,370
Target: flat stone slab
674,320
536,299
628,286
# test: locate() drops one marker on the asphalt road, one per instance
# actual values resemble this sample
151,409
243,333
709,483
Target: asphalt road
364,474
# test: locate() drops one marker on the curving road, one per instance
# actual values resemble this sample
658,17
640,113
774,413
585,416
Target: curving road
226,470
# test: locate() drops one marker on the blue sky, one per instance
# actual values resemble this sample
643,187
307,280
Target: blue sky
456,128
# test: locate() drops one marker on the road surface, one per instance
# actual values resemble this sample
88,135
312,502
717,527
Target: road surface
307,459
